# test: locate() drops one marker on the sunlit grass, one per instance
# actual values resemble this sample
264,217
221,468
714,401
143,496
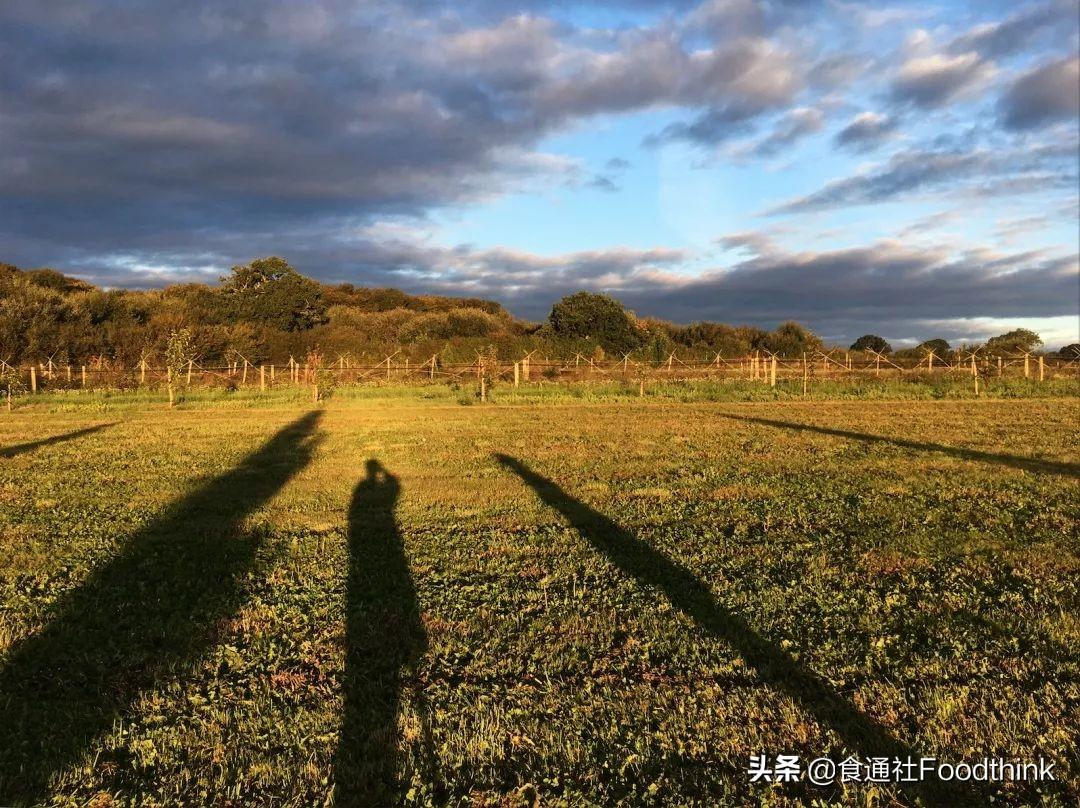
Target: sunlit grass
920,558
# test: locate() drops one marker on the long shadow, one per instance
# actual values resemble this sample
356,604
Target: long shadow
385,639
1025,463
12,451
136,621
859,732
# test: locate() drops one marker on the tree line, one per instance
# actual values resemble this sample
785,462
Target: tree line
265,311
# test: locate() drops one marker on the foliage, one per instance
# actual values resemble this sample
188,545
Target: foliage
871,342
1019,340
940,348
1071,352
270,292
178,352
587,315
791,340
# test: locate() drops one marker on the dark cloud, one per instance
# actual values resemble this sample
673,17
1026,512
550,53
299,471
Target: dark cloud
602,182
790,129
866,132
994,40
249,113
1047,94
1040,168
887,288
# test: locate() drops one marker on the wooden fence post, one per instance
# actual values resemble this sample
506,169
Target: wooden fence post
517,374
1027,366
805,374
930,362
432,366
142,372
262,377
243,379
483,387
1041,369
33,379
190,364
271,374
999,367
69,373
84,375
772,374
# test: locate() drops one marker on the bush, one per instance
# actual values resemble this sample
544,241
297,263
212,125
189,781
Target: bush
586,315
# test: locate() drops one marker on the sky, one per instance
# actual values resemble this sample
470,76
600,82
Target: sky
906,169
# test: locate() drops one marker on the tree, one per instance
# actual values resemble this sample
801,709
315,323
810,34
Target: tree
270,292
586,315
939,346
792,339
1019,340
1070,352
177,354
871,342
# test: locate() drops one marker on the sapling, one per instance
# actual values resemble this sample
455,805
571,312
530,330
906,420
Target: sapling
178,352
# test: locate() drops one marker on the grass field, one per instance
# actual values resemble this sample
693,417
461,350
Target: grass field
253,601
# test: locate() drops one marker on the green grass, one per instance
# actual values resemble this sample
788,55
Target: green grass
248,601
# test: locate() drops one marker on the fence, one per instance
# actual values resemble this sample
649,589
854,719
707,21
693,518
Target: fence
759,367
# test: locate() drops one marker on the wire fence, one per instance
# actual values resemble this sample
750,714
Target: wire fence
759,367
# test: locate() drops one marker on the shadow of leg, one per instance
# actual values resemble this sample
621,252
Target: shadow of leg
135,620
13,451
859,732
385,638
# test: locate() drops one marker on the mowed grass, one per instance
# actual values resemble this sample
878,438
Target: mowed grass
384,600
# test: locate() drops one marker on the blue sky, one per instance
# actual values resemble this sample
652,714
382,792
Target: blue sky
902,169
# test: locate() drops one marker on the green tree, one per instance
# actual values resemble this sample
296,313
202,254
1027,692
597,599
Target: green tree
178,352
871,342
586,315
1070,352
939,346
270,292
792,339
1019,340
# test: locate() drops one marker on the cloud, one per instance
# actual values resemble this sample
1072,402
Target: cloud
980,171
1000,38
887,287
866,132
259,113
936,79
1047,94
790,129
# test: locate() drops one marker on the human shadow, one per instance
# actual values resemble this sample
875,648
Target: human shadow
1025,463
22,448
136,621
385,639
860,733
